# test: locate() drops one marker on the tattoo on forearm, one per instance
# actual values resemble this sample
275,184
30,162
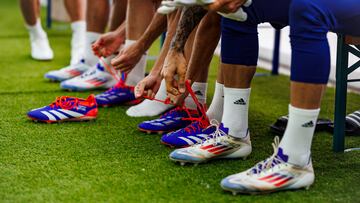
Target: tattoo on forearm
190,18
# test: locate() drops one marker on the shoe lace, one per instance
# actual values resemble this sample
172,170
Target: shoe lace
217,136
65,102
179,108
268,163
112,71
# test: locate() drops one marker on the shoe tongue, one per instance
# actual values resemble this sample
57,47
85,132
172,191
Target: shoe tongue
222,128
281,155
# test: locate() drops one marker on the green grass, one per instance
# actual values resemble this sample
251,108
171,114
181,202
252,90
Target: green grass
110,161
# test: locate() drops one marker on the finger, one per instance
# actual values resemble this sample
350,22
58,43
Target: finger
181,81
169,86
139,89
118,60
149,93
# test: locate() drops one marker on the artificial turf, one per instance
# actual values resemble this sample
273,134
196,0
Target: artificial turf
109,160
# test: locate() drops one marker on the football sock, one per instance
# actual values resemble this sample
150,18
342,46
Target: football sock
138,72
216,108
36,31
296,142
150,107
236,107
77,41
90,58
200,91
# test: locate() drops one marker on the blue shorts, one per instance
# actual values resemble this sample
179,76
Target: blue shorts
239,40
309,21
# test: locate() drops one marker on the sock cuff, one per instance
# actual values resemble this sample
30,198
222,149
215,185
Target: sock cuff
199,85
36,26
218,85
236,91
303,112
81,24
92,35
129,42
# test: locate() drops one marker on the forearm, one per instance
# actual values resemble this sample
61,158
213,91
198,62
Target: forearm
154,30
190,18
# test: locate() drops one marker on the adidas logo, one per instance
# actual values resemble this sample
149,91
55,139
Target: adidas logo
308,125
198,93
240,102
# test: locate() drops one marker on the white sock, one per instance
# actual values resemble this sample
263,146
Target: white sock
138,73
90,58
236,108
200,90
216,108
296,142
150,107
78,41
36,31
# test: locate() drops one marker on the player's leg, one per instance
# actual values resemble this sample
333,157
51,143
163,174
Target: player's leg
290,167
231,139
206,39
154,108
139,16
40,48
76,11
97,16
98,77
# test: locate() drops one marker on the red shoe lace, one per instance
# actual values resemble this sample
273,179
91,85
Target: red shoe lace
203,123
65,102
203,120
110,69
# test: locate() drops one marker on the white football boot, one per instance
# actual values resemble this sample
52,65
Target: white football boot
218,145
40,46
94,78
68,72
271,175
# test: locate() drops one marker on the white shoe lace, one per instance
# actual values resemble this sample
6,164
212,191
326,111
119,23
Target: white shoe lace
217,136
269,162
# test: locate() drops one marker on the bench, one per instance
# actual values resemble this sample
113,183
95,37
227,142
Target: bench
346,45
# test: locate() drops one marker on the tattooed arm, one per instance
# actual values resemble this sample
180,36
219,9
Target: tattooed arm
175,62
190,18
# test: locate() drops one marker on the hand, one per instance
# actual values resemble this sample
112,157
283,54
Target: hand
128,57
108,44
227,6
175,64
148,86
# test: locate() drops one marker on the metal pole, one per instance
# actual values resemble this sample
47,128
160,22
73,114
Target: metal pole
276,55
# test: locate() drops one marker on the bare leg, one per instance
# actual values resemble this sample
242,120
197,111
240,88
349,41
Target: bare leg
306,96
30,10
139,15
206,40
118,13
40,47
76,9
97,15
237,76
